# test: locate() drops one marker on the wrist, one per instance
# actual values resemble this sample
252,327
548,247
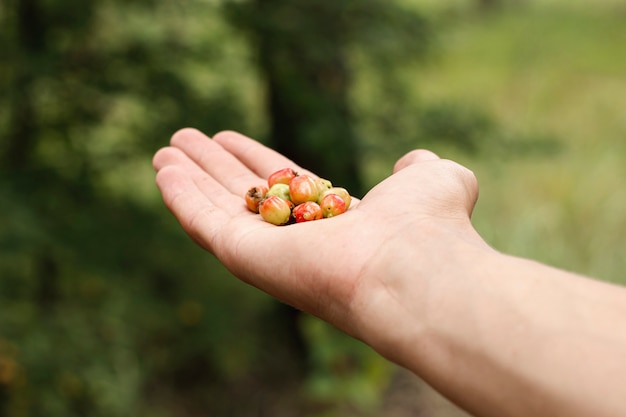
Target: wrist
412,286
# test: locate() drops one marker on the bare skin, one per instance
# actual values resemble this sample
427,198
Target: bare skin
405,271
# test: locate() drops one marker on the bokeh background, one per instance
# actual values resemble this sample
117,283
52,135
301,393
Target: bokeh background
108,309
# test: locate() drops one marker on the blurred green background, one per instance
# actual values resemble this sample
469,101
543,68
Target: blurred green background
108,309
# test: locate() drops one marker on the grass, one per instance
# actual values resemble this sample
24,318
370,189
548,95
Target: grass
550,68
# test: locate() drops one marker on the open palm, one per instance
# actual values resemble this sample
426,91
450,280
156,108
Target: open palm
325,267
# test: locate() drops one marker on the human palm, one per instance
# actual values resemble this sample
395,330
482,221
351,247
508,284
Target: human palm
323,267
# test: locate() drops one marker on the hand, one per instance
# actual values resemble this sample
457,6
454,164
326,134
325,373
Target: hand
404,271
334,268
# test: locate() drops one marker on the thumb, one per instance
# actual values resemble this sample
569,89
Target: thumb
449,176
414,157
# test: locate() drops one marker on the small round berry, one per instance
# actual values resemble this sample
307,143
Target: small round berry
282,176
254,196
341,192
307,211
332,205
303,188
275,210
323,185
280,190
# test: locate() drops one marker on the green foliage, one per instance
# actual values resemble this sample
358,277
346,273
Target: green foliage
96,312
345,373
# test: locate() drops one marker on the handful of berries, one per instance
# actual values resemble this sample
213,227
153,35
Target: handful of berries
289,197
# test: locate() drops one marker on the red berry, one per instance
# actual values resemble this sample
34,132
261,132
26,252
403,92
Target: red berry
341,192
282,176
275,210
332,205
303,188
307,211
254,196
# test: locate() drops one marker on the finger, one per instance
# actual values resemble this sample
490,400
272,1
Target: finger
172,156
413,157
216,161
258,157
211,188
199,217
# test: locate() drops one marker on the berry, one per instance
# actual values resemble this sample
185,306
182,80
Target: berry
341,192
332,205
279,190
307,211
282,176
293,198
323,185
254,196
275,210
303,188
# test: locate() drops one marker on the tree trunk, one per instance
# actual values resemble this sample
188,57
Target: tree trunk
301,51
29,42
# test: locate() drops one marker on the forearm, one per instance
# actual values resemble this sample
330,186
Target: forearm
505,336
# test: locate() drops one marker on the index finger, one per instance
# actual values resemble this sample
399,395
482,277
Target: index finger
258,157
237,171
210,157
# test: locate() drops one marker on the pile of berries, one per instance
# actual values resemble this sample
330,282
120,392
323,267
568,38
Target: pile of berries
289,197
